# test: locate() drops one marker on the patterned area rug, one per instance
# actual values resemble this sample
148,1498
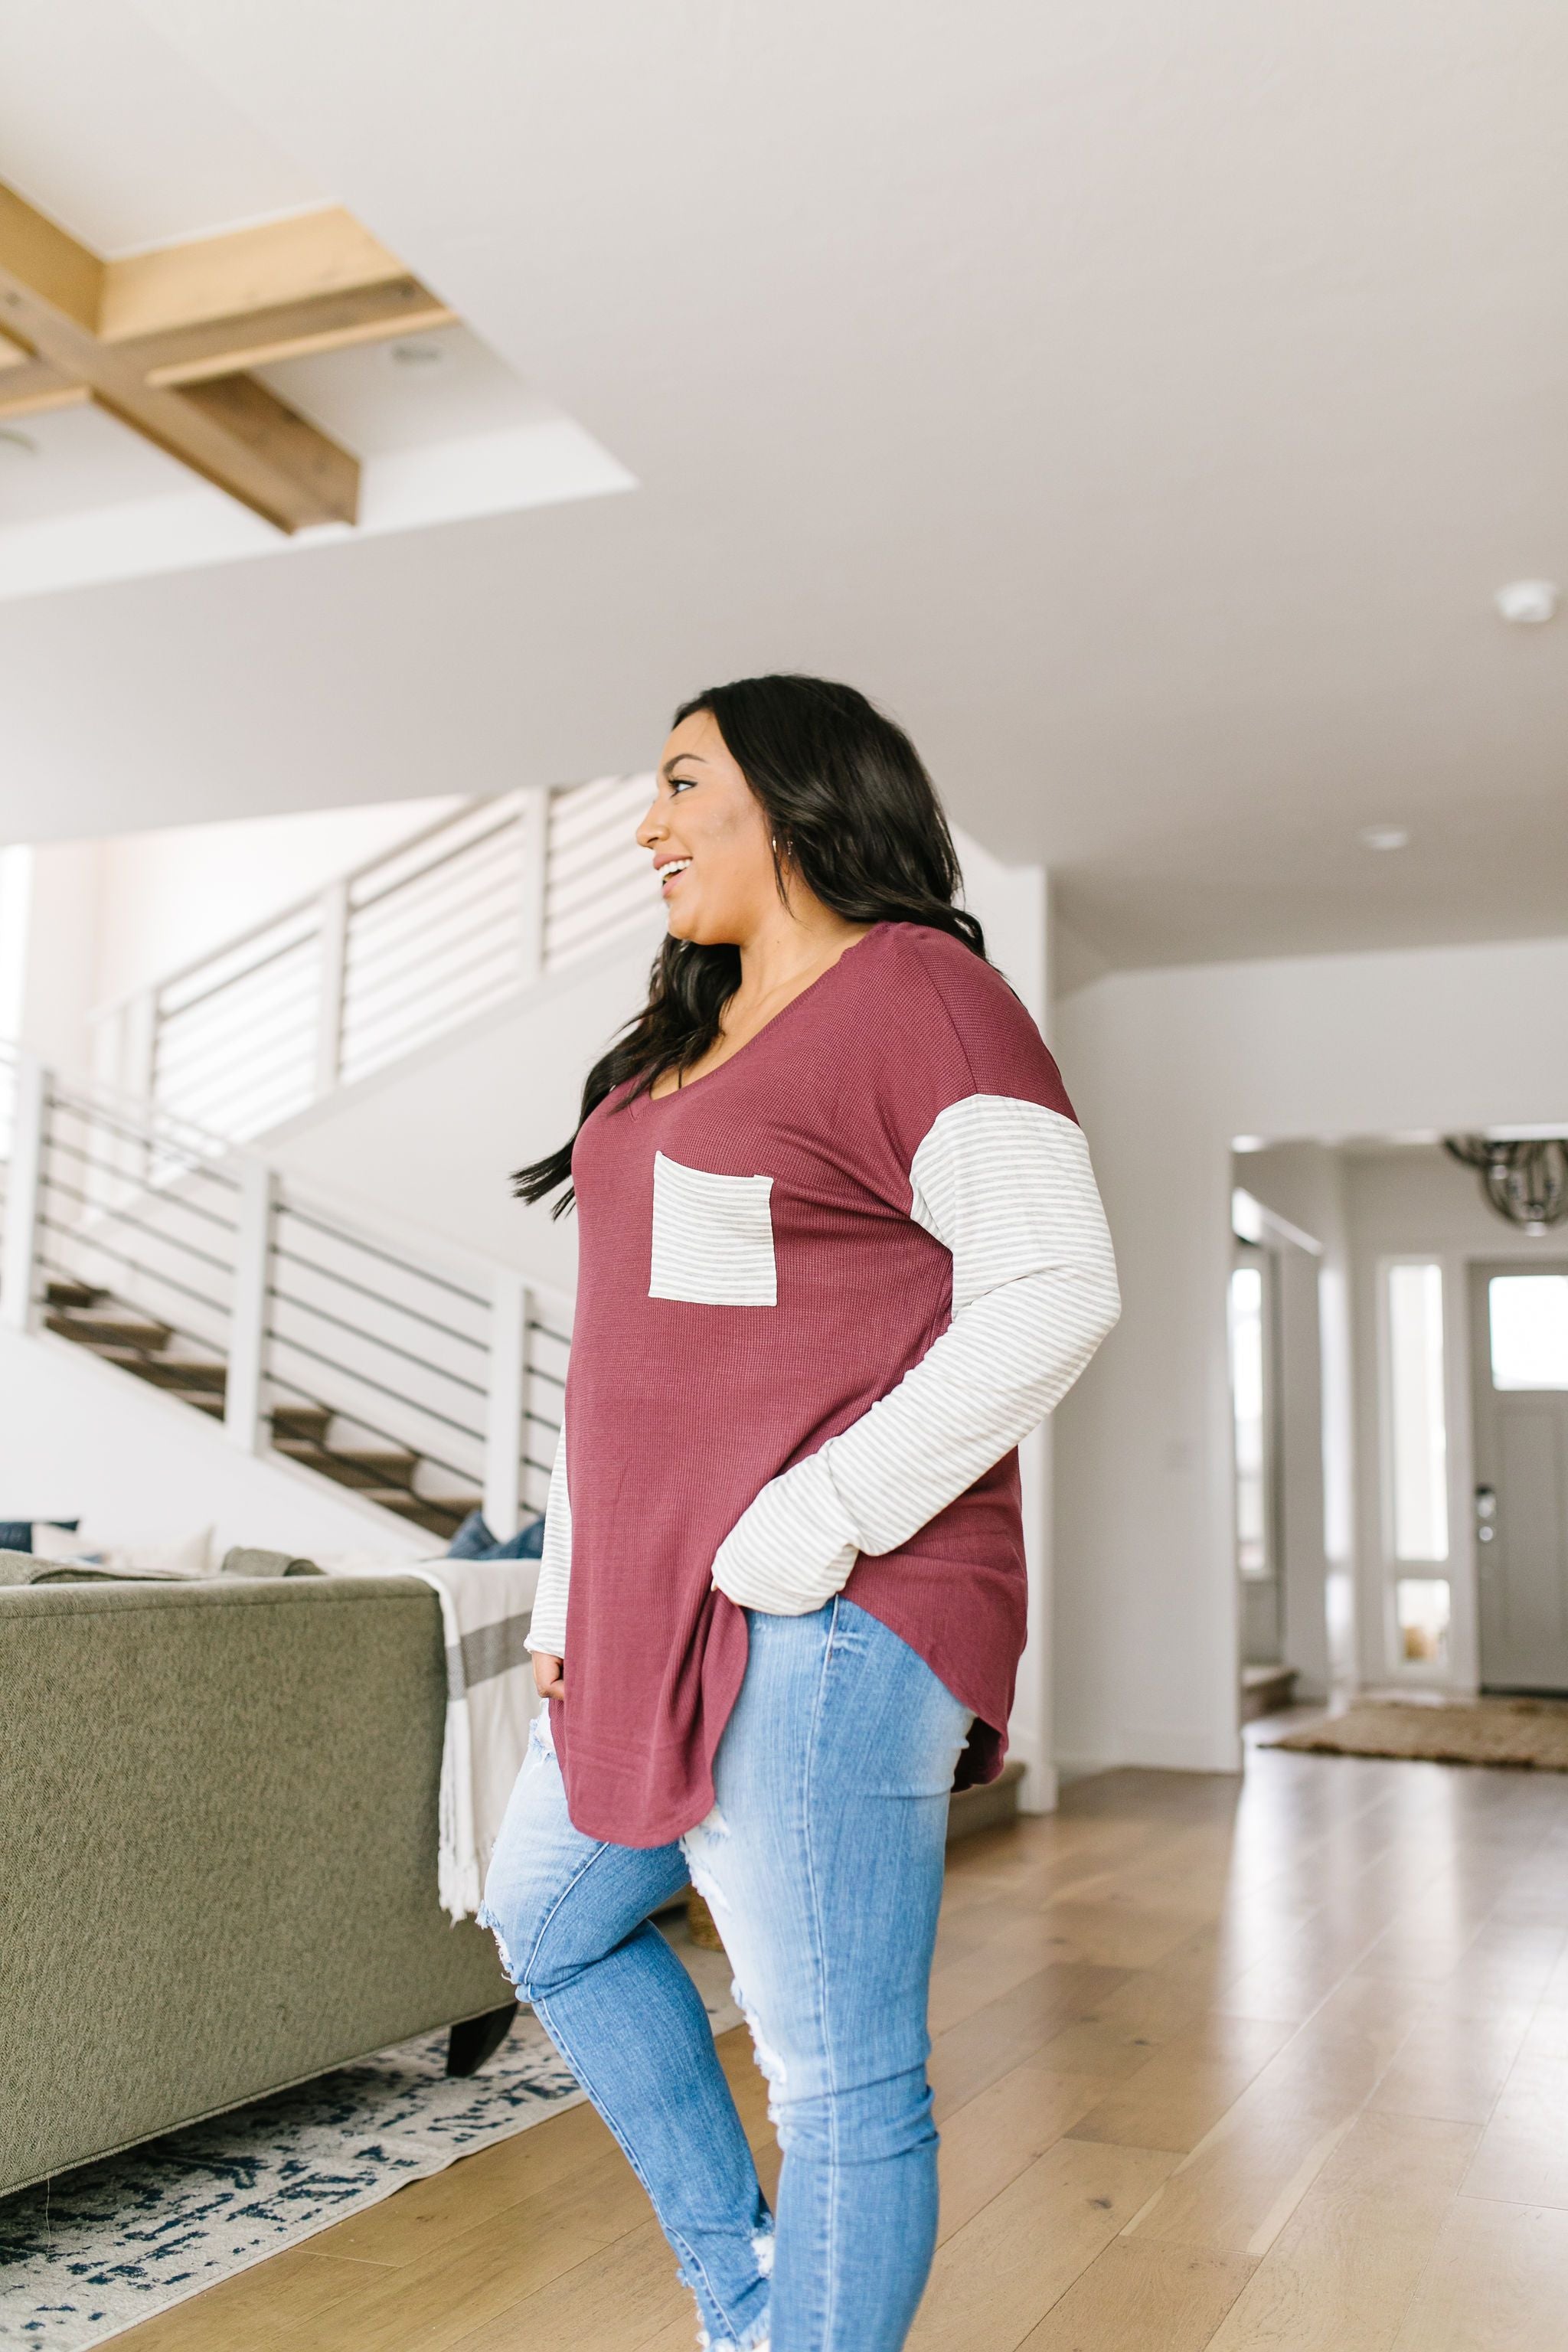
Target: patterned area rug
1528,1732
98,2250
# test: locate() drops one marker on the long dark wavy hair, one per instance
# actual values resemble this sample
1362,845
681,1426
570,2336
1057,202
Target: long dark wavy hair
850,806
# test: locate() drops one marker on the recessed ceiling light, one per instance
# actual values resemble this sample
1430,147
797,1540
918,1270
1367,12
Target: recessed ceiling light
16,444
1384,837
417,354
1528,603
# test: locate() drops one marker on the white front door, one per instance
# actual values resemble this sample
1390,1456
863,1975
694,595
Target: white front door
1519,1317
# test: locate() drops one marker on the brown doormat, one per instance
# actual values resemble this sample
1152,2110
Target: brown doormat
1528,1732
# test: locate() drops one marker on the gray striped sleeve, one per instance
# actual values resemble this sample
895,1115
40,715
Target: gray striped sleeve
547,1627
1006,1186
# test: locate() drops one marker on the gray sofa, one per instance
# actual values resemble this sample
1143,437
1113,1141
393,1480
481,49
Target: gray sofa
217,1852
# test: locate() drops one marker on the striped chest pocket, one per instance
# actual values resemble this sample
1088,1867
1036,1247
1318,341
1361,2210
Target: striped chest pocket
712,1237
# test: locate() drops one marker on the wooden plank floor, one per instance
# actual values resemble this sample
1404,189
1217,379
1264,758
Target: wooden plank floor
1272,2065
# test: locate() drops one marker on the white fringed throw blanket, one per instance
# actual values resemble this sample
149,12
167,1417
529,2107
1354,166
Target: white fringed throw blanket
490,1702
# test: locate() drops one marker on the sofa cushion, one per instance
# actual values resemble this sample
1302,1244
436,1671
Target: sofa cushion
253,1559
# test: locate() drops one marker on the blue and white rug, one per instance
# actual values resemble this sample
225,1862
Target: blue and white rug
98,2250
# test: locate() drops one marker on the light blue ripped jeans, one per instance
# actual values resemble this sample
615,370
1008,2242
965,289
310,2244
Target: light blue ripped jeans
821,1863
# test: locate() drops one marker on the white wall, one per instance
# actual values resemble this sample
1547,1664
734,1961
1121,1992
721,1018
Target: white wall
1166,1069
58,958
16,901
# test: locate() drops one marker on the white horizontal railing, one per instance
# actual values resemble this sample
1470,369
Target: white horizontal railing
276,1302
385,958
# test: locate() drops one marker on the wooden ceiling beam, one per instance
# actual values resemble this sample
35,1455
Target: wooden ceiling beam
210,277
319,481
278,475
328,322
234,433
30,387
60,272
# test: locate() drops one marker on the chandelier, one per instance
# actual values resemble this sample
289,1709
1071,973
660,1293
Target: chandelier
1526,1182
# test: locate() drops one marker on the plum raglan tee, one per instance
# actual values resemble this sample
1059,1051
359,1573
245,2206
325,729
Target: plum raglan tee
822,1293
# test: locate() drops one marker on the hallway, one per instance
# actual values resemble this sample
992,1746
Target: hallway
1279,2065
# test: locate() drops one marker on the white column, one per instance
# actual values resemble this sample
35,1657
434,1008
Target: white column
535,823
1029,1731
24,1202
1023,933
504,1406
138,1056
248,1319
135,1070
334,922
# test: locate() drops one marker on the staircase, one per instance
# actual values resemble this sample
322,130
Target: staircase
137,1228
303,1433
141,1231
424,1380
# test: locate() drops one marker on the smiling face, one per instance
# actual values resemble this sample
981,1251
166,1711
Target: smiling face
708,835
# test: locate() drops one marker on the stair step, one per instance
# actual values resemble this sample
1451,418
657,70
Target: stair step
169,1372
96,1330
73,1294
355,1468
299,1421
988,1807
117,1335
1266,1690
442,1517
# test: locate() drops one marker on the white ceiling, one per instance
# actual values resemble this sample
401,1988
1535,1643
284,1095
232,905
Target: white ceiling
378,397
1141,397
73,461
116,135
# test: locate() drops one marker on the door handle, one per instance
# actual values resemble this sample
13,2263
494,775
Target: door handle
1486,1514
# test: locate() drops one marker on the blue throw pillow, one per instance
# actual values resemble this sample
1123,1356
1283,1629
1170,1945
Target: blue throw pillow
474,1540
16,1535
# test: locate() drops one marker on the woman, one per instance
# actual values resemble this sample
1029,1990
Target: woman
840,1249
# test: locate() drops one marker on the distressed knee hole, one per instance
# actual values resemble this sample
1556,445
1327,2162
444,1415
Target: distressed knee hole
485,1918
697,1847
769,2063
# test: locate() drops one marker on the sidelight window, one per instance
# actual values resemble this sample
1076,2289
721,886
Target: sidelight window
1418,1438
